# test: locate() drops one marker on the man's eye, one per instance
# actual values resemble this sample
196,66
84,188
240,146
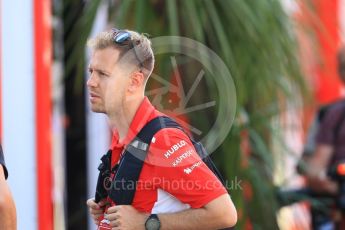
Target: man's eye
103,74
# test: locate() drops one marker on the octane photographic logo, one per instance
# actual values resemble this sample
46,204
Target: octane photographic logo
217,71
212,69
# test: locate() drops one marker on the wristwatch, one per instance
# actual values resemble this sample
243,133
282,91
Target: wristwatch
152,223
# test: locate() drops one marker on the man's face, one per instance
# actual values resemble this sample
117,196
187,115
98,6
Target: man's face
107,83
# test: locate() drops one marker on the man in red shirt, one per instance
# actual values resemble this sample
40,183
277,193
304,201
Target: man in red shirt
176,190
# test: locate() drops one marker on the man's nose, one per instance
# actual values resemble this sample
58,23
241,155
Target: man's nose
92,82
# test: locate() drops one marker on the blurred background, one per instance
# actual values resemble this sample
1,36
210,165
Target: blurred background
282,58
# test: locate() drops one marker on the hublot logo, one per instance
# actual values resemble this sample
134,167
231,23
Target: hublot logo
174,148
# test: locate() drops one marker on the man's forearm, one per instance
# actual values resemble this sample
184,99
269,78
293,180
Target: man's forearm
7,210
8,219
218,214
316,171
189,219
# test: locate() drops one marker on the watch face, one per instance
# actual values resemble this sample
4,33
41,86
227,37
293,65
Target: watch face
152,224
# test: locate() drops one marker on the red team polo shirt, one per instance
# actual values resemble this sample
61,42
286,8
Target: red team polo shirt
173,177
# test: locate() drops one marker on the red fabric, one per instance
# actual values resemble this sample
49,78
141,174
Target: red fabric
43,63
171,165
328,84
174,166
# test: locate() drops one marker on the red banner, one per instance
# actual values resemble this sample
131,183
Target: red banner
43,63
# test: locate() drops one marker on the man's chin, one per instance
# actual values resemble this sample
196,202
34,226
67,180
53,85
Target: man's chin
97,110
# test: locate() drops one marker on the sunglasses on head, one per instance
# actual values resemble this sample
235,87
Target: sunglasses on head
123,37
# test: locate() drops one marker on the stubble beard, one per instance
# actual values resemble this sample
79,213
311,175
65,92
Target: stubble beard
96,108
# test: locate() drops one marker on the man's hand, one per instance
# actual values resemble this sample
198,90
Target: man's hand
96,209
126,217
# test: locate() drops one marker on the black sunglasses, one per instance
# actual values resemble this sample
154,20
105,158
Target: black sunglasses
123,37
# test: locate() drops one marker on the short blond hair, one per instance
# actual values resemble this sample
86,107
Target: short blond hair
142,48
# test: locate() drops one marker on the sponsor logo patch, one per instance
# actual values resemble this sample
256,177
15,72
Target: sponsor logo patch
190,169
179,159
174,148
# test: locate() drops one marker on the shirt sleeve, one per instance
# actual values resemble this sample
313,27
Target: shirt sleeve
2,163
180,171
326,131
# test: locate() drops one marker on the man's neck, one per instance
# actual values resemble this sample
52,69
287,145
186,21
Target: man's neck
121,120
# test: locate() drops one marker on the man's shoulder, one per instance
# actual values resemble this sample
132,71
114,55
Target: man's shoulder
338,106
167,135
170,136
171,147
331,110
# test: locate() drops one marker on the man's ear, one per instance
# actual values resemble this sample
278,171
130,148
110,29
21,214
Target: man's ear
137,80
